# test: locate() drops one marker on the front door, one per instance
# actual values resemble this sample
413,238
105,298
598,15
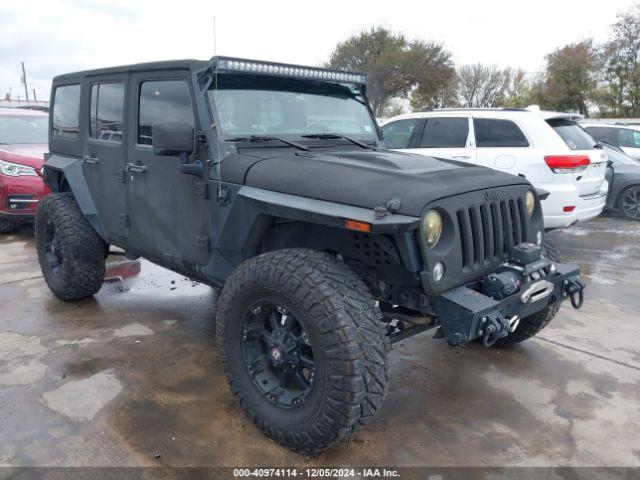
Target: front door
168,210
447,137
104,154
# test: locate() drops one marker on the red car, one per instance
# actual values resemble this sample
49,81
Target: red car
23,142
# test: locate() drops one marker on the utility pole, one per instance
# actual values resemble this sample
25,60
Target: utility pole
24,79
34,95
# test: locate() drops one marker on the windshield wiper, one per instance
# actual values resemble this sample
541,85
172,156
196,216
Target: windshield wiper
268,138
333,136
605,142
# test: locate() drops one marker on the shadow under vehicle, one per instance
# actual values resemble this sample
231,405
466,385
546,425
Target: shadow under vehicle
270,182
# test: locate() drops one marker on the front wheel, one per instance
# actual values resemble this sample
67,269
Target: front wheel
533,324
303,347
630,203
70,252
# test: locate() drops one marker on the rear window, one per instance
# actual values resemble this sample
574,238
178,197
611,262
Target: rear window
445,132
493,132
572,134
397,134
107,103
66,111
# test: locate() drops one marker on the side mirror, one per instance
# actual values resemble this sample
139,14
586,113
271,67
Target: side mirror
172,138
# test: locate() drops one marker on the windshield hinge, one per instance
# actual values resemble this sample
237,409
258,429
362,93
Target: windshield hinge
201,137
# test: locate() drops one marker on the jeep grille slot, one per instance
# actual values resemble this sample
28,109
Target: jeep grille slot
489,231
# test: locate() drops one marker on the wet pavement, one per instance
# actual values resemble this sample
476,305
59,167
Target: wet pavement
131,377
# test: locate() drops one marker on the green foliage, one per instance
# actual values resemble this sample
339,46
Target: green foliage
395,66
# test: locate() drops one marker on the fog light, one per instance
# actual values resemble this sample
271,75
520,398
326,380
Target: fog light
539,237
438,271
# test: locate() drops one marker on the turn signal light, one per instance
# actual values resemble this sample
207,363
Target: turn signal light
357,226
567,163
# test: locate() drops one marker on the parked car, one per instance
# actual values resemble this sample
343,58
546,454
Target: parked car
547,148
624,182
23,143
627,137
270,183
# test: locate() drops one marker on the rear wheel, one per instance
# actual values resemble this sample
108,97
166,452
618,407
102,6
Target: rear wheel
6,225
533,324
630,203
70,252
303,347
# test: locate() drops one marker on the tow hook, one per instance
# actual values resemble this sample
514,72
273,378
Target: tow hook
495,327
575,290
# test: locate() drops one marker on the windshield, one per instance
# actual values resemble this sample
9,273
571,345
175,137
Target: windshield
573,134
291,108
24,129
619,157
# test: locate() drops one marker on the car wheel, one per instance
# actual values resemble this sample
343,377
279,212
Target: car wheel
70,252
630,203
303,347
533,324
6,225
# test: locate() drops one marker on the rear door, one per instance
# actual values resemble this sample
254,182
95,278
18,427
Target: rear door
590,181
447,137
168,210
499,143
104,153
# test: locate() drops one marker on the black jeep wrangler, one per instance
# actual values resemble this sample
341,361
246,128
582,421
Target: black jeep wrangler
270,183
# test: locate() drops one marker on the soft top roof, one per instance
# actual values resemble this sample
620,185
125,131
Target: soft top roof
138,67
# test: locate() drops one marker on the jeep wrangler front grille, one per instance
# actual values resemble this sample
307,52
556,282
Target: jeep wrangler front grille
490,230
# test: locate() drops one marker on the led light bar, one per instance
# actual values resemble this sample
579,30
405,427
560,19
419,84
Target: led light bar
281,69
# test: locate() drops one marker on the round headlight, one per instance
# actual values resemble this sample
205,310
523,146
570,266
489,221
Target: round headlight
530,201
432,227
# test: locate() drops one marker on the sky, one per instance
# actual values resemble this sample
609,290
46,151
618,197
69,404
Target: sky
61,36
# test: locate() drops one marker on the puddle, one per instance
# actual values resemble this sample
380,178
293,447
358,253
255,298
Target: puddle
81,400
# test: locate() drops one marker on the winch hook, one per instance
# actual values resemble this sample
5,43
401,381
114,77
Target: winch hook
575,290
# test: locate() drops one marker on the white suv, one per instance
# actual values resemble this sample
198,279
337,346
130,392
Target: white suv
548,148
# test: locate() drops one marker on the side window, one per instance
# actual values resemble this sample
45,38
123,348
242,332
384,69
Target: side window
163,100
105,117
397,134
445,132
629,138
492,132
66,111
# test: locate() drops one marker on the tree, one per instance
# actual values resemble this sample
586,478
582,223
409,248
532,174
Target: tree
487,86
620,81
395,66
570,77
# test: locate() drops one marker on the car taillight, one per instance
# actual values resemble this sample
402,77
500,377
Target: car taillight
567,163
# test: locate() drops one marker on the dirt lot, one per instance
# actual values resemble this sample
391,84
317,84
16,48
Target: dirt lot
133,375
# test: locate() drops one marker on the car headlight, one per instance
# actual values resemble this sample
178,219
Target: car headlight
432,227
16,170
530,202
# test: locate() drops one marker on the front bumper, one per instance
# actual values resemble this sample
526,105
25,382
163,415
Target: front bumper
19,196
465,312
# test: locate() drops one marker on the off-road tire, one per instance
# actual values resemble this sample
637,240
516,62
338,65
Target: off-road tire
533,324
81,273
347,336
6,225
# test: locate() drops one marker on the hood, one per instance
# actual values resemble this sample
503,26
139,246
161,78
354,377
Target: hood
31,155
361,178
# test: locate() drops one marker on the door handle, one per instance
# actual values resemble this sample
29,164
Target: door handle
132,167
463,157
91,159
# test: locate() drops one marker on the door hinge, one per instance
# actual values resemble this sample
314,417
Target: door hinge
124,219
201,189
201,137
120,175
203,242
